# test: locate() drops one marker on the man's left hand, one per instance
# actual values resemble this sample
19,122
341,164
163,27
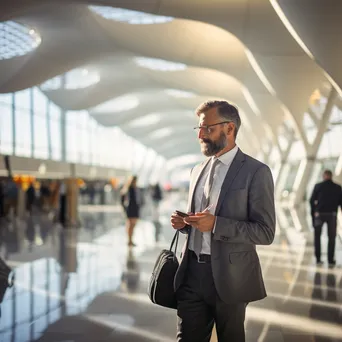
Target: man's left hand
203,221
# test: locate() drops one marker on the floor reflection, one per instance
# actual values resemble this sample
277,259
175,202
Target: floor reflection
131,275
86,285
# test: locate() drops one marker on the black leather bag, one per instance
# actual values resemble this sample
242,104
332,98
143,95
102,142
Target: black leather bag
160,289
6,278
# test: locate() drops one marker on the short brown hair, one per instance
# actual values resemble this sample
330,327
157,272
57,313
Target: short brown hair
226,111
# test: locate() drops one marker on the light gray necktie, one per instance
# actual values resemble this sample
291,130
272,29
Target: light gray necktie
204,203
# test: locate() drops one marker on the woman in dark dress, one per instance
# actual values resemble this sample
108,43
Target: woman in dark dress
131,203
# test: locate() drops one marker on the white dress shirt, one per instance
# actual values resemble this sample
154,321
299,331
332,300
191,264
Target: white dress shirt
219,176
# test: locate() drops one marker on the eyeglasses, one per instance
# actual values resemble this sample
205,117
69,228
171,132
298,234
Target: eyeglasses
207,128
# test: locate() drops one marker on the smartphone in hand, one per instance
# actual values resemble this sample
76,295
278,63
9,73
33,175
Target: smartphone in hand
181,214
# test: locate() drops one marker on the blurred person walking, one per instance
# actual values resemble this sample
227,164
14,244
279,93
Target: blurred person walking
157,196
30,198
131,202
325,200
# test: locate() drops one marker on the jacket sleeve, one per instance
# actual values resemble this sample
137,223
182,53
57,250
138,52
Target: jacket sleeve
313,199
260,227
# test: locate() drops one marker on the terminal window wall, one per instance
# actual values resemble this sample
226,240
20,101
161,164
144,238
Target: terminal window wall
92,143
22,114
78,136
6,124
32,126
55,138
40,125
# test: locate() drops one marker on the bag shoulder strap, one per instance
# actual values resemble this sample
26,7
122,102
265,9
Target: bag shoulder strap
175,241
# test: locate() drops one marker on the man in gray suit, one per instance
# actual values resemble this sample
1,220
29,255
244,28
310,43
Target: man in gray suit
231,210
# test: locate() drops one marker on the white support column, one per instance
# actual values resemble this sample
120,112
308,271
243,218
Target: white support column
306,166
266,148
281,180
313,117
284,169
338,179
284,154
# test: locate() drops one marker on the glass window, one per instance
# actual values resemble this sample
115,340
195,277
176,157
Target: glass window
297,151
40,136
83,146
40,100
55,132
6,125
22,99
291,177
23,132
329,148
71,137
6,98
92,140
102,141
138,156
41,144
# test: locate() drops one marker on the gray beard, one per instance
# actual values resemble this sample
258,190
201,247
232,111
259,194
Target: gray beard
210,148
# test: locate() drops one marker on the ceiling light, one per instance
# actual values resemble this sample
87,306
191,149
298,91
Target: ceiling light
17,40
159,64
74,79
146,120
121,103
179,93
161,133
129,16
42,169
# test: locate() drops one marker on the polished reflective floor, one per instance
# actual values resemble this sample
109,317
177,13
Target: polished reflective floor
86,285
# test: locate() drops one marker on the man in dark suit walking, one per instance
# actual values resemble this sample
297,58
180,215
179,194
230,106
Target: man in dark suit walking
232,198
325,200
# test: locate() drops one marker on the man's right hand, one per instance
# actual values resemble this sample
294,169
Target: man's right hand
177,221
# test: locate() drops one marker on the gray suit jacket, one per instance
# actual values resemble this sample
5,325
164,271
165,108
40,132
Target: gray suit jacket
245,218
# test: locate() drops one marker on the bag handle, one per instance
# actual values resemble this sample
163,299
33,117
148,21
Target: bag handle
11,279
175,241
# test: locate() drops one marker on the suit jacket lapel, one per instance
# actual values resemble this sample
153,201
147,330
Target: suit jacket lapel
194,184
230,176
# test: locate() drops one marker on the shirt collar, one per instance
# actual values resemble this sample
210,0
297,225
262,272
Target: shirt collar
227,158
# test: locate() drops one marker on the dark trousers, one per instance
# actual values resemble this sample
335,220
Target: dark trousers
199,306
331,220
2,211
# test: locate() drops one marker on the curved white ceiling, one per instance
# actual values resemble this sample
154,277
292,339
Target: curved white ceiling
236,50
